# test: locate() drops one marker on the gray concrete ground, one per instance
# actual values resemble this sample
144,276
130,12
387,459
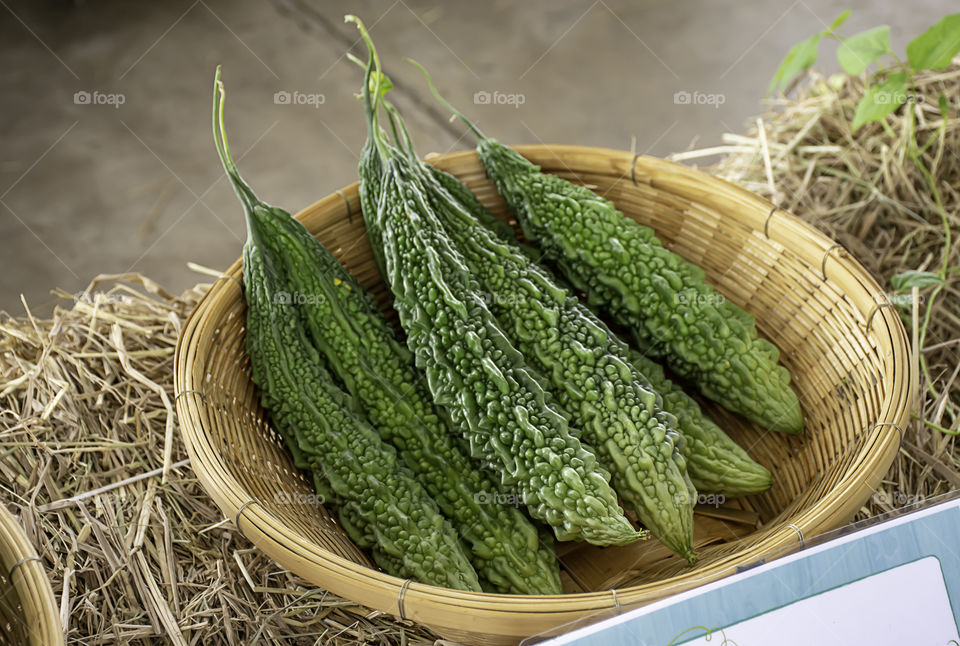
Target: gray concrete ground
91,185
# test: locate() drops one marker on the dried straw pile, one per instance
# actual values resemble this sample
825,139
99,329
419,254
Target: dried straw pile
863,191
86,402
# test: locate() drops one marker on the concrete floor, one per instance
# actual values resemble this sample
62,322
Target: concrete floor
99,188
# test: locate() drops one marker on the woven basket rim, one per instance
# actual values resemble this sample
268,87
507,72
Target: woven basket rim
28,577
765,219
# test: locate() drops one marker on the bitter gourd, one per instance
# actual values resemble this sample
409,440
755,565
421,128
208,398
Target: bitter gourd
660,297
472,369
320,421
715,462
361,349
360,468
586,364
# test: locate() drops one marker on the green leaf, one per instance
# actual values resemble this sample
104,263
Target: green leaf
801,56
912,278
880,100
936,47
856,52
839,20
385,83
944,105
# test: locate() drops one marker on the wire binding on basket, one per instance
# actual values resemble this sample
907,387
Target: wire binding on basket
19,563
346,201
894,425
236,519
876,307
233,278
616,601
766,223
826,254
799,532
185,392
400,598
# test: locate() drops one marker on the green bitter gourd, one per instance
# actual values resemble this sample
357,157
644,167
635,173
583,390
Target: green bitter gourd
356,470
383,498
363,351
587,365
660,297
715,462
471,368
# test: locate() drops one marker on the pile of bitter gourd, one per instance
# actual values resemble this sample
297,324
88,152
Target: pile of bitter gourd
507,414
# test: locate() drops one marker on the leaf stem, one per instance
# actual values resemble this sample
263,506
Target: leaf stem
446,103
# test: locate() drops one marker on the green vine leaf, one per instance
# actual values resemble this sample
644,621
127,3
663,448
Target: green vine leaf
936,47
880,100
801,57
911,278
857,52
839,20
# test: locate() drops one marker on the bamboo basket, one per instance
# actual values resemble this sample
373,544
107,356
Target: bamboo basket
838,333
28,612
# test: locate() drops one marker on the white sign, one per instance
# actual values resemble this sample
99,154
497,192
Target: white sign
903,606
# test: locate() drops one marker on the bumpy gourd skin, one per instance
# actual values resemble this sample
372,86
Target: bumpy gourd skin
588,368
480,378
715,462
660,297
363,351
371,174
307,407
465,197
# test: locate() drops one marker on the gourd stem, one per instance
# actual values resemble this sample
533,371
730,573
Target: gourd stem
241,188
393,115
371,105
405,143
439,97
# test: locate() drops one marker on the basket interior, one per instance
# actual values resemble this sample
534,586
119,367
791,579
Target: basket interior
840,374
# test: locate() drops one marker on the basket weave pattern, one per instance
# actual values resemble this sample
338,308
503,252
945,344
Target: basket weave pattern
842,342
